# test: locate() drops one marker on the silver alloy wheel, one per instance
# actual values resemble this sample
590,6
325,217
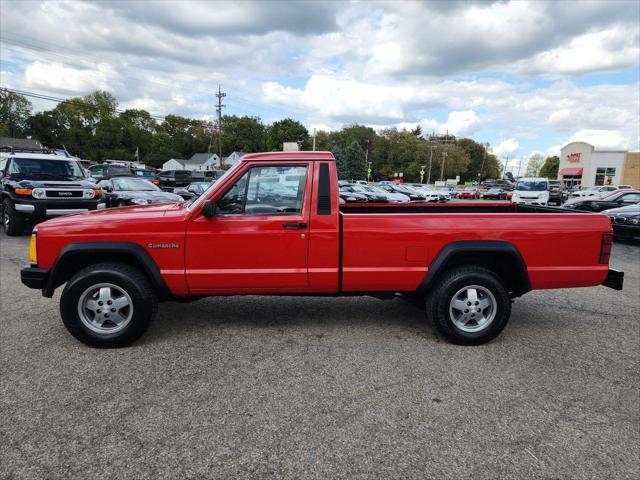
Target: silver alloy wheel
105,308
6,219
473,308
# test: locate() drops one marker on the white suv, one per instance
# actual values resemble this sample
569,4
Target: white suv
533,191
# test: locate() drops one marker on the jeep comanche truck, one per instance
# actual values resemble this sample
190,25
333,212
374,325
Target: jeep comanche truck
273,225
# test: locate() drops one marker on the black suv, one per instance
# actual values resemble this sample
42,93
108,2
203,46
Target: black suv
36,184
176,178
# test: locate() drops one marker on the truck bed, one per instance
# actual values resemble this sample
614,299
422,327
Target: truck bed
386,245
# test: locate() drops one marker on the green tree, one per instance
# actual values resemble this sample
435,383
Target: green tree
15,111
550,167
341,163
287,130
244,134
356,162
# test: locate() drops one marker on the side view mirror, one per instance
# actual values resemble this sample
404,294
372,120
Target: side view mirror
209,209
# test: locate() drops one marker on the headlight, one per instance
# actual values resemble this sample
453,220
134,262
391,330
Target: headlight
139,201
38,193
88,193
633,220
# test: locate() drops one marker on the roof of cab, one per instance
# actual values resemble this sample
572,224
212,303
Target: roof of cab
289,156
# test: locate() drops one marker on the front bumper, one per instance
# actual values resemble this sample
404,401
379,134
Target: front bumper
34,277
615,279
626,231
46,208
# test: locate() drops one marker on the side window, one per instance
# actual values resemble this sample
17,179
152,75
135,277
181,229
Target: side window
266,191
276,190
631,198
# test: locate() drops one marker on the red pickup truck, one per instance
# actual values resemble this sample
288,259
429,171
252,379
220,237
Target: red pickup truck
273,225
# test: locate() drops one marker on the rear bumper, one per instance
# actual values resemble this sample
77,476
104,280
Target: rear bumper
615,279
34,277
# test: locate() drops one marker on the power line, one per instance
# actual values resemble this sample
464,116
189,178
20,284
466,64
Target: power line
66,101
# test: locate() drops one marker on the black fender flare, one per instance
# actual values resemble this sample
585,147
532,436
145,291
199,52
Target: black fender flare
479,247
58,275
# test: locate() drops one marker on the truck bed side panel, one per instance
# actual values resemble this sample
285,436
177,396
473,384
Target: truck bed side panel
392,252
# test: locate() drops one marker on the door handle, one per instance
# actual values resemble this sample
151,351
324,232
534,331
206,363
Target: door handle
294,226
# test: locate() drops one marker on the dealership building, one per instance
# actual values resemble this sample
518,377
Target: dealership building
581,164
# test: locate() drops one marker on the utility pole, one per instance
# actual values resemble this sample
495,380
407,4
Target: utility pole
506,162
435,140
444,155
220,95
484,159
314,139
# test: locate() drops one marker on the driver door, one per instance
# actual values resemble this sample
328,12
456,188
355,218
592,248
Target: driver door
259,237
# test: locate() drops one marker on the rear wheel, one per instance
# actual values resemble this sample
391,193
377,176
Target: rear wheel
108,305
12,221
469,306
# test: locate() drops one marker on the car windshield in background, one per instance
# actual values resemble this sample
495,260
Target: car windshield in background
532,186
200,187
133,184
469,189
494,190
43,168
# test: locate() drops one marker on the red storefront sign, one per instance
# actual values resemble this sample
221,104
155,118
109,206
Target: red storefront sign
574,157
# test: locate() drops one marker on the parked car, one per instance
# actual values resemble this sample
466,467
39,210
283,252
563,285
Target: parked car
432,194
404,190
453,193
194,189
391,196
625,221
118,263
146,174
103,171
595,191
198,188
351,197
532,191
371,196
469,193
36,186
494,194
122,191
174,178
557,194
619,198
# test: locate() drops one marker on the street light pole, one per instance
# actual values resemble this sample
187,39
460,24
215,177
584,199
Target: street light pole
484,159
444,155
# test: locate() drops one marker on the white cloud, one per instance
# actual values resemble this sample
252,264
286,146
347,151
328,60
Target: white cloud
57,77
601,139
506,148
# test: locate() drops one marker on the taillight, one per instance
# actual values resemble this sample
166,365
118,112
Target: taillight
605,248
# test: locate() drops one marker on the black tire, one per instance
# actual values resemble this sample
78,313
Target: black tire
130,280
451,282
12,221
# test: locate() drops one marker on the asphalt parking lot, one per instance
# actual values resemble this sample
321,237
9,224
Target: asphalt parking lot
285,387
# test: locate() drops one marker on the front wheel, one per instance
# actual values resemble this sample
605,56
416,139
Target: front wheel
108,305
12,221
469,306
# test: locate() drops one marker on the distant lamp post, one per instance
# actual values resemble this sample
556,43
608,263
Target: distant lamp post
487,149
444,156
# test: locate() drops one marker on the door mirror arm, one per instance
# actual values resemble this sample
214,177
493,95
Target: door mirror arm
209,209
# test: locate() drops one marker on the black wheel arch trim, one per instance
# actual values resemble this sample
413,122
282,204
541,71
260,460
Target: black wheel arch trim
477,247
67,254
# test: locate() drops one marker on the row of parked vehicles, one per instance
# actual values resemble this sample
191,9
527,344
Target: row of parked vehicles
38,184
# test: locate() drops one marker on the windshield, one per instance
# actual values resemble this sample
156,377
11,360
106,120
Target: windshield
375,190
133,184
469,189
404,189
358,188
44,168
532,186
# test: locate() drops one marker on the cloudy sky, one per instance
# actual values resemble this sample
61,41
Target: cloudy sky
523,76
